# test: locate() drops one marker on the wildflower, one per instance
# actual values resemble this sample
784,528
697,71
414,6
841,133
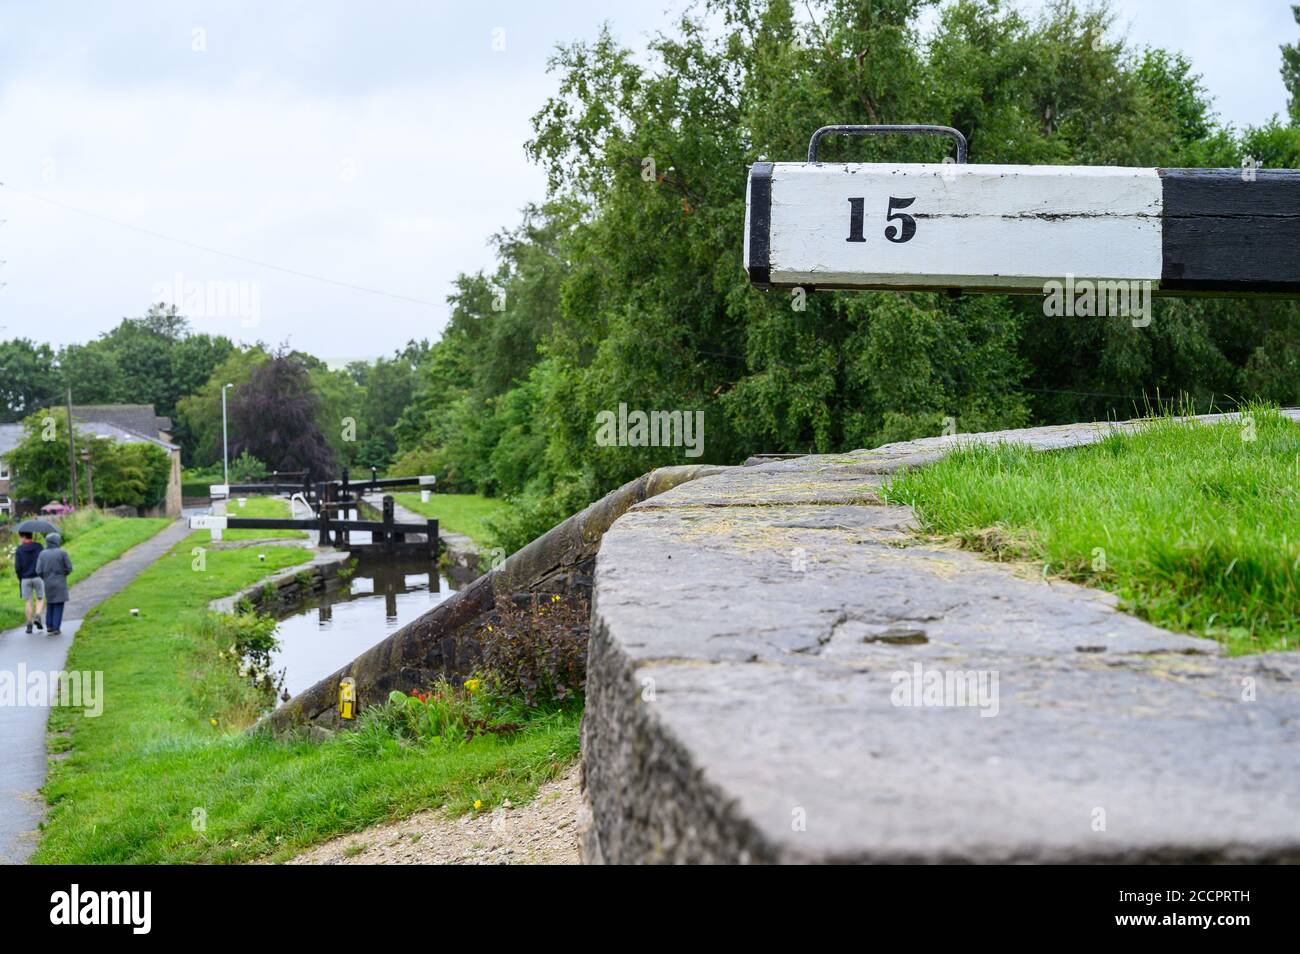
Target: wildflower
471,685
478,803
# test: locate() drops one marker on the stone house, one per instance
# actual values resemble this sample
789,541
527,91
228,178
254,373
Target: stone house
122,423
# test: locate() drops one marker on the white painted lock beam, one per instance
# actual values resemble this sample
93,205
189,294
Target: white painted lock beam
1015,228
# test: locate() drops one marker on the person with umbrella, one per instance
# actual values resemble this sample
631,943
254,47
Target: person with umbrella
31,588
54,566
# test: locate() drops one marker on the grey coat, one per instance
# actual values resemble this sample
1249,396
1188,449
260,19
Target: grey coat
53,566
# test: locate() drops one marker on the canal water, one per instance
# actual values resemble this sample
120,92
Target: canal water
329,630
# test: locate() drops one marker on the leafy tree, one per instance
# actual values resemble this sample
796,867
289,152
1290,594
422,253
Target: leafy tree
372,452
93,374
275,418
28,379
198,415
389,386
246,468
341,415
133,475
1291,71
39,462
150,360
1273,145
1178,93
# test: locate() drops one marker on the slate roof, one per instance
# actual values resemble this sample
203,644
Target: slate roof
121,435
139,418
10,436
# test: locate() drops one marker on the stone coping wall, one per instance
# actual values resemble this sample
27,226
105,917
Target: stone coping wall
740,709
318,575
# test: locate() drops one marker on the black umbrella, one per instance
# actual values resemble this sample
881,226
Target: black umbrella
36,526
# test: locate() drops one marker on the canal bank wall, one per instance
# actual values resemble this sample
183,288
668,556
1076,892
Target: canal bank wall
321,574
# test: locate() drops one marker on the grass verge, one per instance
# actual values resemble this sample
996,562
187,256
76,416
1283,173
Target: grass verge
264,507
460,513
1196,527
92,538
165,775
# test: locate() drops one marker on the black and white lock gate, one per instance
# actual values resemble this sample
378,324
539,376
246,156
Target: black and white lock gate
1013,228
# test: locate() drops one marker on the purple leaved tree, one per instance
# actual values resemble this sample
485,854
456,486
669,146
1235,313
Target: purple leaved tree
275,418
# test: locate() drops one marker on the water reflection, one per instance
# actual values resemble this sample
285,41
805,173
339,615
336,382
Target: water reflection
331,629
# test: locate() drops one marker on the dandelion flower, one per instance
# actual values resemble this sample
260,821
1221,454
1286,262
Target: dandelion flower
478,803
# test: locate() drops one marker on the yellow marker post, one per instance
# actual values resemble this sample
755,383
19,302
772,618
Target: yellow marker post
347,698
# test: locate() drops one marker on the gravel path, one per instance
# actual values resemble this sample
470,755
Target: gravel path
541,832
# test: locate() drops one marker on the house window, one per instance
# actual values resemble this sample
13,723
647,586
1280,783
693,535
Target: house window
4,470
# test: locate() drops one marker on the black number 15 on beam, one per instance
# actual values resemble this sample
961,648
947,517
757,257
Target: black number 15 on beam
902,232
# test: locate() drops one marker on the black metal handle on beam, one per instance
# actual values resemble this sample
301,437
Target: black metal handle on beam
916,130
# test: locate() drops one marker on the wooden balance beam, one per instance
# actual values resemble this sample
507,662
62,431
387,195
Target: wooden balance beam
1017,228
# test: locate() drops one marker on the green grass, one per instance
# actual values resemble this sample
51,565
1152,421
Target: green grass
459,513
264,507
138,776
92,538
1195,527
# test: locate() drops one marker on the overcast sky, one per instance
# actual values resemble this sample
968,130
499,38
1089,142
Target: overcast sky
377,144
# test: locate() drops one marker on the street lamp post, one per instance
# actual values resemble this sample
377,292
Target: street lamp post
225,442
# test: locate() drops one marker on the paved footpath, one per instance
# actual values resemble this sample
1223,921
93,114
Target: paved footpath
22,728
